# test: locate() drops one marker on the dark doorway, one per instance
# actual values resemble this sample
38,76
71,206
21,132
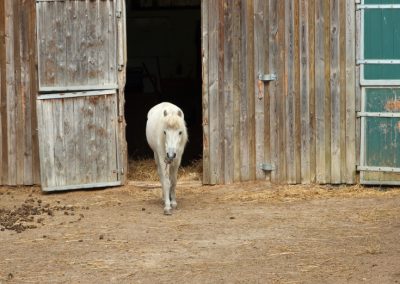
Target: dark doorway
164,64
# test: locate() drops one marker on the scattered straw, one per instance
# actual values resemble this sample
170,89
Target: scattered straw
146,170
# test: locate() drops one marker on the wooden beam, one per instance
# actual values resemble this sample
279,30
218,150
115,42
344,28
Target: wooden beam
205,90
350,93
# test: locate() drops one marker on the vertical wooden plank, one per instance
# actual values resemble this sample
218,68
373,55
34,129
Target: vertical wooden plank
205,90
49,53
41,40
11,94
260,48
34,89
115,39
328,120
46,142
19,97
120,49
311,27
297,91
91,143
82,18
236,66
320,92
3,112
100,138
70,137
57,115
350,93
267,105
112,138
276,41
251,79
342,48
305,92
228,167
221,96
59,24
244,130
93,34
70,34
25,93
335,91
214,92
290,119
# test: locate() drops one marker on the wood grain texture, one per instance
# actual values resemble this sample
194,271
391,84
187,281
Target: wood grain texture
228,143
351,91
244,101
236,70
78,140
83,53
3,102
305,99
304,124
335,90
214,85
320,91
205,91
260,55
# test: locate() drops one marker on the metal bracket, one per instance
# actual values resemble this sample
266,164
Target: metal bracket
118,171
267,77
378,61
378,169
377,6
267,167
118,14
378,114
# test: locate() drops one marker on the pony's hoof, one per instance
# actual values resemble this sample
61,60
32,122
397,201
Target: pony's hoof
167,212
174,205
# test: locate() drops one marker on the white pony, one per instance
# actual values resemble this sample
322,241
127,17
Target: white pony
167,136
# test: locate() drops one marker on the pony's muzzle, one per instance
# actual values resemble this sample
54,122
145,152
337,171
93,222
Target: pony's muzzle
171,155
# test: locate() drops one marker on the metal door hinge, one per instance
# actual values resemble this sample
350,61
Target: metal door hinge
267,167
120,118
267,77
120,171
118,14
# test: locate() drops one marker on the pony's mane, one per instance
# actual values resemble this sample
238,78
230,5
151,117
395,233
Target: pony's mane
174,121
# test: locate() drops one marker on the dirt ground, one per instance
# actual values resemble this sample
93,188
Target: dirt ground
241,233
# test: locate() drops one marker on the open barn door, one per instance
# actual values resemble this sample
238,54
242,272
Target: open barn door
380,101
78,107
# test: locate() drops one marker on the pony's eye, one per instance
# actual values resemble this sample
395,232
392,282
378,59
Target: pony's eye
165,132
180,132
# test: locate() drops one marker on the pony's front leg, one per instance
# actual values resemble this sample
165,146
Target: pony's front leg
173,177
166,187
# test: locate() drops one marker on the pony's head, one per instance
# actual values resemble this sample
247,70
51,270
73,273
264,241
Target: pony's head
175,134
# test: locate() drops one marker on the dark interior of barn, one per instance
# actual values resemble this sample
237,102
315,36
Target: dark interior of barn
164,64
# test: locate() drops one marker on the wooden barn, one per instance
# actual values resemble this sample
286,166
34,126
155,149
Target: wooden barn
291,91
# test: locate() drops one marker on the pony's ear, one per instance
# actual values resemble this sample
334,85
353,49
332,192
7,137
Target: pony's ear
179,113
165,113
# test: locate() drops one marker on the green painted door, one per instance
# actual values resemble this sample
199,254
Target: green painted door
380,80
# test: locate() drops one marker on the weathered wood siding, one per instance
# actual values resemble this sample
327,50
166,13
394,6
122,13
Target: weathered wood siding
62,67
19,162
78,139
303,124
76,42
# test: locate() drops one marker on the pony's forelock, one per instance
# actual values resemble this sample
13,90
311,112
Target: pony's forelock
174,121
